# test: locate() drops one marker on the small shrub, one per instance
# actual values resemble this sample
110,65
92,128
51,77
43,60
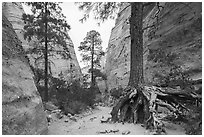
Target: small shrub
160,56
71,98
116,92
175,77
41,90
85,95
74,107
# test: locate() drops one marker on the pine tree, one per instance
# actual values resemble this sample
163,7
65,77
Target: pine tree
105,10
92,52
108,10
139,102
47,24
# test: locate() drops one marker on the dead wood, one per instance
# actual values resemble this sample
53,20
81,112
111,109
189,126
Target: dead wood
140,105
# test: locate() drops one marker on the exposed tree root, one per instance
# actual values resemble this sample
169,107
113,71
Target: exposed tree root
140,105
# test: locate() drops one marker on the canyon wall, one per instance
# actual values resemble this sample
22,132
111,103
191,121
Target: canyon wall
176,40
22,107
69,68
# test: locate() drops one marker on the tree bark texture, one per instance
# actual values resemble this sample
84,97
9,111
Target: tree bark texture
136,54
139,103
46,56
92,63
141,106
136,111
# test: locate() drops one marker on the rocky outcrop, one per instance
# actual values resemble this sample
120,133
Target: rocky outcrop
118,58
22,108
68,68
176,40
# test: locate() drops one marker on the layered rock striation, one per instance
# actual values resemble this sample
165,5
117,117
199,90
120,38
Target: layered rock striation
68,68
176,40
22,108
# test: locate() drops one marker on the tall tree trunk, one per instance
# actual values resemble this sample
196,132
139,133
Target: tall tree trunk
137,112
140,102
136,67
136,34
92,63
46,57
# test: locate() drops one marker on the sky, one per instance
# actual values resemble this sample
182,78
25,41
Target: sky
79,30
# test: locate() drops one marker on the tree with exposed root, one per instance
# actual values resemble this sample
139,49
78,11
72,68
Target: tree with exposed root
139,102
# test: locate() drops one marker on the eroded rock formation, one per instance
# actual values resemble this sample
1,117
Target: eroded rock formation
68,68
177,37
22,108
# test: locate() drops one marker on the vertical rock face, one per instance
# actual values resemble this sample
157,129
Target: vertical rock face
22,109
118,55
69,68
13,12
176,40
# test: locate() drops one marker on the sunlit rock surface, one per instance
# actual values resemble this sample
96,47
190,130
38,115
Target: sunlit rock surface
22,108
69,68
178,36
